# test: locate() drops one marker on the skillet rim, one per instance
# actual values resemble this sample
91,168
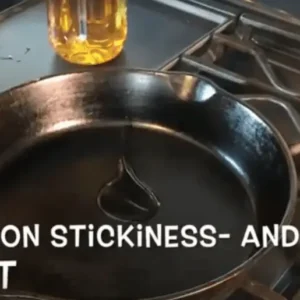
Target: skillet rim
291,205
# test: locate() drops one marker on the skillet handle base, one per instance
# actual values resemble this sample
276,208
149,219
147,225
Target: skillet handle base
260,291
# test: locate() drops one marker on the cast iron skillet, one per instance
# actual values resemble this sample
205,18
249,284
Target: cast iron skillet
129,147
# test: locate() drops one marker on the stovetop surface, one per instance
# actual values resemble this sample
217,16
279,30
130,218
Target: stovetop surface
250,51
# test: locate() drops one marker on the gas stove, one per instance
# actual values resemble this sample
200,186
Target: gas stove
250,51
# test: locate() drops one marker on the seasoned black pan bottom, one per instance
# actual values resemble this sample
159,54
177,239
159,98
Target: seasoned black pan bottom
57,182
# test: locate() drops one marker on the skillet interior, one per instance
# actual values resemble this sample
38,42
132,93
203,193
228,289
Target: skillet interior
65,132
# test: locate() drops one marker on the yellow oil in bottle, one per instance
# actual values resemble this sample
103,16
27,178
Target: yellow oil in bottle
87,32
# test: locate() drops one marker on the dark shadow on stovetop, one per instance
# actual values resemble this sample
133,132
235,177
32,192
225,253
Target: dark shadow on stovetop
4,4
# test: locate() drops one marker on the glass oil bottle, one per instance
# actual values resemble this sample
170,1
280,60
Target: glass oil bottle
87,32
